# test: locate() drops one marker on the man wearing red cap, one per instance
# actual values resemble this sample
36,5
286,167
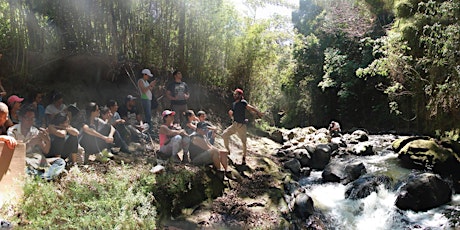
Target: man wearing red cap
238,115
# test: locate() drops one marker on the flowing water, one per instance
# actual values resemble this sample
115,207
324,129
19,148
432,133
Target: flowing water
376,211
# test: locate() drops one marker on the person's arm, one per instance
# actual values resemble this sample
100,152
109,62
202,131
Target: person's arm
191,126
9,141
172,132
92,132
253,109
44,141
186,93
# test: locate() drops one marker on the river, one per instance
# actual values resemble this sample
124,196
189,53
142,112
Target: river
377,211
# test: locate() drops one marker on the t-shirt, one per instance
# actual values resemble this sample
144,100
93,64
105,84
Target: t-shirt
239,111
147,95
178,89
15,131
116,116
130,114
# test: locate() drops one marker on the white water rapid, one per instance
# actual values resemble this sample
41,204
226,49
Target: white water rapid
377,211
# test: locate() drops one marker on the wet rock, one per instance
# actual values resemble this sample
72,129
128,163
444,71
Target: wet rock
366,185
303,206
277,136
293,165
424,192
320,157
426,154
363,149
343,172
358,136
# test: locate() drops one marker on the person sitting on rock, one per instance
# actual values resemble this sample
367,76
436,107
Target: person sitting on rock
191,121
64,138
334,129
38,144
106,115
211,135
9,140
133,119
57,105
203,153
172,139
96,134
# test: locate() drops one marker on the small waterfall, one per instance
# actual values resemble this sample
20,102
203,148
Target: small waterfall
376,211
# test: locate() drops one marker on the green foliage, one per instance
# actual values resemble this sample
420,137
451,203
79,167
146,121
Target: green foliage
170,191
86,200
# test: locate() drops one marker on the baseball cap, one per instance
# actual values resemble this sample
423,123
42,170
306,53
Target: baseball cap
13,99
201,112
147,71
168,112
202,125
130,97
240,91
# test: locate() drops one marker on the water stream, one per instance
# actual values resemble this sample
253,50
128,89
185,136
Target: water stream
377,211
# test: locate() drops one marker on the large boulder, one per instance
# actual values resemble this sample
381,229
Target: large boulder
424,153
363,149
358,136
424,192
320,157
303,206
342,172
366,185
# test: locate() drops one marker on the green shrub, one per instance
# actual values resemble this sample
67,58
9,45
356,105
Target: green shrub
89,200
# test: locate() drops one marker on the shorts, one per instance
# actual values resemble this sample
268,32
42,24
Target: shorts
203,158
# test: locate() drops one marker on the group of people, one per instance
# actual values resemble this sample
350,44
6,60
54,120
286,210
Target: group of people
195,138
58,134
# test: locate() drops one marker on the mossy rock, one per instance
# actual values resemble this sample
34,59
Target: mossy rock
425,153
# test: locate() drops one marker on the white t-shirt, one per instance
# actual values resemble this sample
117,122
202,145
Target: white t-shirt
148,94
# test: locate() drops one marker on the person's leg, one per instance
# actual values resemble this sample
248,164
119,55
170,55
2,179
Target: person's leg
57,146
147,105
176,142
227,133
185,146
119,142
223,158
70,147
242,134
205,158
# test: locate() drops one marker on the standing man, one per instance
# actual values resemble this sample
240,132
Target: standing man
238,115
145,90
177,92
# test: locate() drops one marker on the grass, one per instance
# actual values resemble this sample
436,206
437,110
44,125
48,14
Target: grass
89,198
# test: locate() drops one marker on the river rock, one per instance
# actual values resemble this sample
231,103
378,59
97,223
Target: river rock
277,136
320,157
303,206
364,186
358,136
293,165
424,153
363,149
424,192
342,172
